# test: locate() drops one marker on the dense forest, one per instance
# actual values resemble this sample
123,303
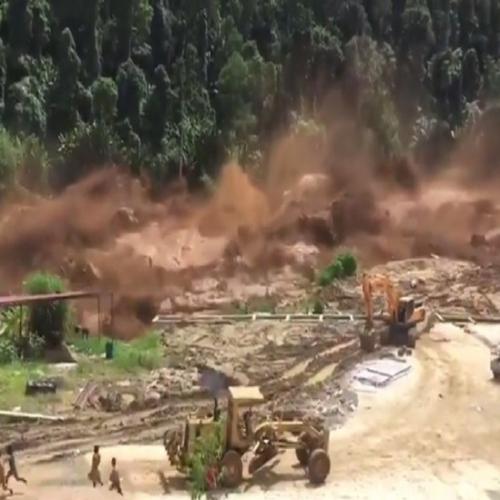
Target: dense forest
175,86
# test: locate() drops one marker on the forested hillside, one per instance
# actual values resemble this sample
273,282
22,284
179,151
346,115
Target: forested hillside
177,85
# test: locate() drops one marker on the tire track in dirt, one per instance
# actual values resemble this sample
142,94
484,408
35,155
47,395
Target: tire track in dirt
149,425
441,417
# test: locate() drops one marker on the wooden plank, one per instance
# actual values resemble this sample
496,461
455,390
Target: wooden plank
84,395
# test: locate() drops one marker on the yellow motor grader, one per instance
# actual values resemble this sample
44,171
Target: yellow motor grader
240,438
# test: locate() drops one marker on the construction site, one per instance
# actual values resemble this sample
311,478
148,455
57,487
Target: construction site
383,379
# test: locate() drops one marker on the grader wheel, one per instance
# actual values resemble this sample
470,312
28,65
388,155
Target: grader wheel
302,454
171,442
318,466
411,342
266,454
232,469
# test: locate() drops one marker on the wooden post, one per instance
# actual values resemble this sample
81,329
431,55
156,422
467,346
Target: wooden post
99,324
21,320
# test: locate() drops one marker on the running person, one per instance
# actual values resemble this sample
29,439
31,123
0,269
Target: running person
114,478
94,475
12,472
3,479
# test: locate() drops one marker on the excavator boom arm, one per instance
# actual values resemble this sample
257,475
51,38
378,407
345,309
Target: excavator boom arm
372,284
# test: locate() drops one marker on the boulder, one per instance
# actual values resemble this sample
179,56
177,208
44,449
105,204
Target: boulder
128,401
152,398
478,240
318,227
124,218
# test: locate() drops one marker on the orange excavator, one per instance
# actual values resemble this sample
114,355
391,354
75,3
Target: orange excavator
402,315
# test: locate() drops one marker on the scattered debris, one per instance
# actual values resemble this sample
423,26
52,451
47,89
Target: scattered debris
124,218
59,354
84,395
495,368
44,386
381,372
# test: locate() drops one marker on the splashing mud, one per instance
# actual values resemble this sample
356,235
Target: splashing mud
106,232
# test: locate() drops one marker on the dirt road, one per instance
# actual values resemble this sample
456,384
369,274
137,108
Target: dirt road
433,434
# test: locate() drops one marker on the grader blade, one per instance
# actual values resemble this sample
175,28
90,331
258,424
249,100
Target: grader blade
268,453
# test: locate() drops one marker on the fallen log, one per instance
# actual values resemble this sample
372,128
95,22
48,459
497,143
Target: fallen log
14,415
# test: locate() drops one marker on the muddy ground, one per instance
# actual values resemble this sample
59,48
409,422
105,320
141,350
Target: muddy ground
431,434
230,254
300,368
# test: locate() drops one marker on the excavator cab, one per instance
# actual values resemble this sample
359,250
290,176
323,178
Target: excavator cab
405,309
403,330
410,311
403,312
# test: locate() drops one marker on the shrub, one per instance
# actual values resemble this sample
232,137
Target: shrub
34,165
207,453
331,273
81,149
318,307
16,342
10,158
349,264
8,351
29,346
48,320
344,266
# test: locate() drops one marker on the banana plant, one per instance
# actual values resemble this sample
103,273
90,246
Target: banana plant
12,322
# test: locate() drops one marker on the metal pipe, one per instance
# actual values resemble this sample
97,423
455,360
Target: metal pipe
112,313
21,320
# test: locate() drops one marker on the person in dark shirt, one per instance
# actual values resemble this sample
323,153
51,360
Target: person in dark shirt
95,475
3,478
12,472
114,478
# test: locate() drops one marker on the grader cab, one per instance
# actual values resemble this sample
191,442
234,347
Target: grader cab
262,442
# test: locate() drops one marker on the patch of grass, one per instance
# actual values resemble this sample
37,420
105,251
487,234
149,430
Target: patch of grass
145,353
92,346
266,304
13,379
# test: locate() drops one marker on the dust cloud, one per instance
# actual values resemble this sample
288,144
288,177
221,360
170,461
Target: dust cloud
107,233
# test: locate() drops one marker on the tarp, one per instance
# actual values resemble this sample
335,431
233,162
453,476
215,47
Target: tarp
381,372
